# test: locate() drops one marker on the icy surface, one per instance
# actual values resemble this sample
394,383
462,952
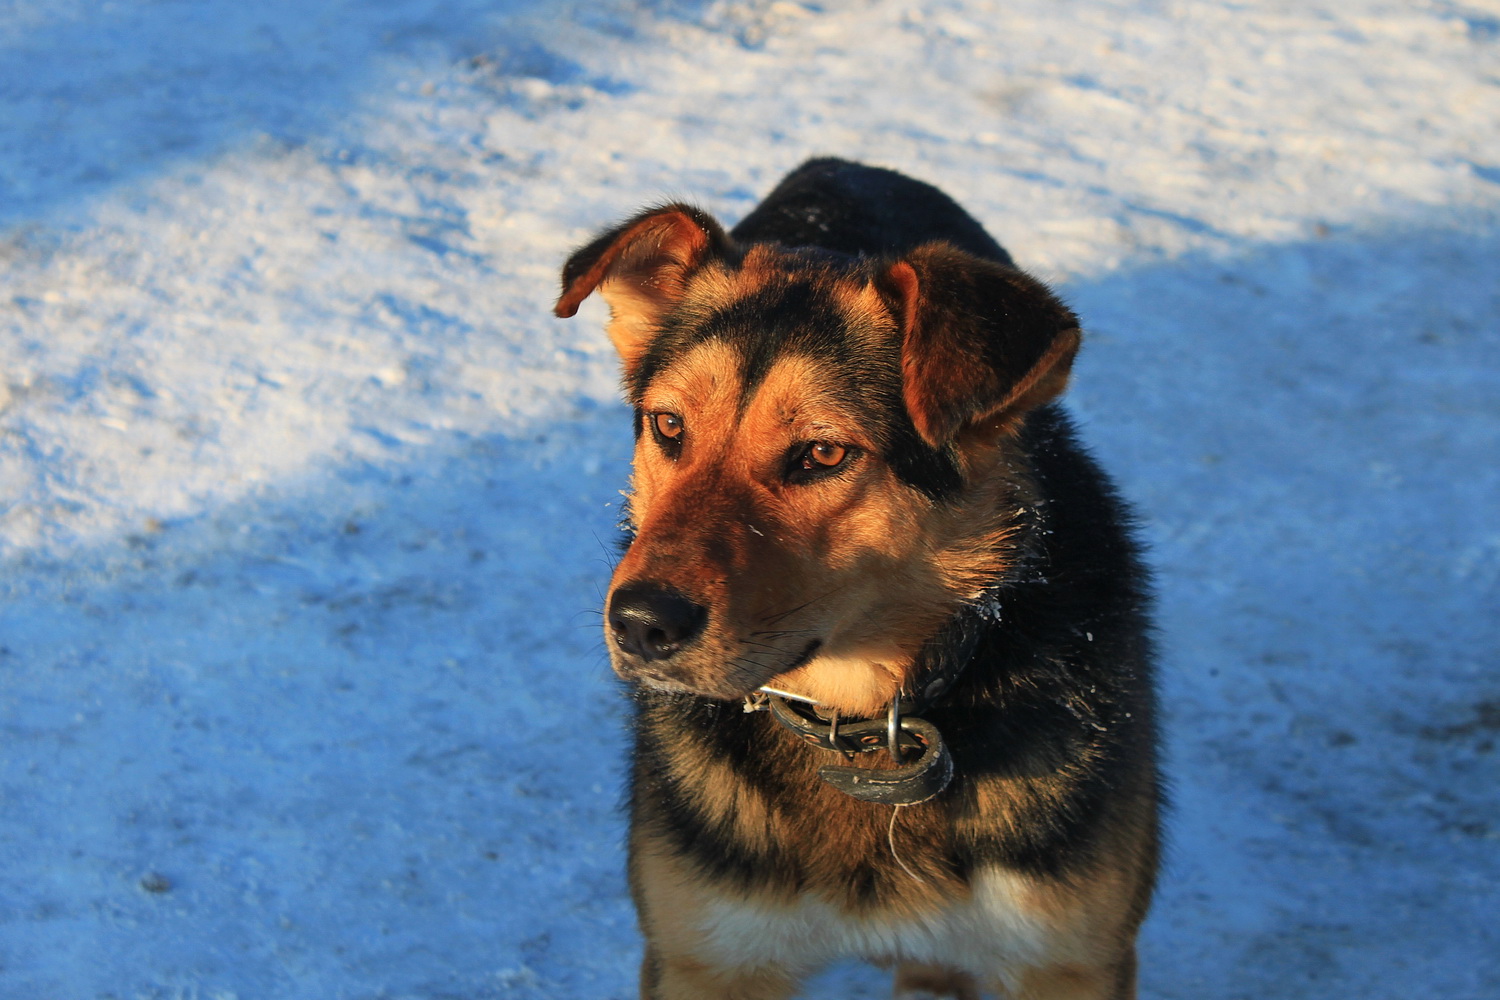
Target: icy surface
305,499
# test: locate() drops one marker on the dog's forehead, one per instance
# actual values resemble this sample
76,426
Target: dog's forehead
721,380
737,325
705,379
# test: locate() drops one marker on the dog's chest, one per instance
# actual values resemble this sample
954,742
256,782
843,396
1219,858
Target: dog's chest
990,933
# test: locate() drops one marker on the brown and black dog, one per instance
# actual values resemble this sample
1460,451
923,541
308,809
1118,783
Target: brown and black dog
852,488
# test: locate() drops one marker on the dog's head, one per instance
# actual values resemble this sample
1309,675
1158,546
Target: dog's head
826,464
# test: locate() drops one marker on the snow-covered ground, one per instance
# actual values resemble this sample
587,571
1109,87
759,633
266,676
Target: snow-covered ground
306,500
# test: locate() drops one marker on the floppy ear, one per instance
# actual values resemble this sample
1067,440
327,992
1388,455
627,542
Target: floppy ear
641,268
982,344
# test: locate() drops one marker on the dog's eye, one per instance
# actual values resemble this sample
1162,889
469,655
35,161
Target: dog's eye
668,428
668,425
817,460
823,455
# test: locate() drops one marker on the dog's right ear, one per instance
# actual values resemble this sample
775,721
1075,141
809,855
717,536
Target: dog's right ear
641,268
982,343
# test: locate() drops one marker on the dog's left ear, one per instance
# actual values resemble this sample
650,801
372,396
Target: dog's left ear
982,344
641,267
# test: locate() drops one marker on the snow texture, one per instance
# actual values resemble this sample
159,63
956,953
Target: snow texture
306,501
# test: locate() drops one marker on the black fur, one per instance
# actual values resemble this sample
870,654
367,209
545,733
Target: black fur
857,210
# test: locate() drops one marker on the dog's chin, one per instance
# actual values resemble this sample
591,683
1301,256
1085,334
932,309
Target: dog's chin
665,679
660,683
664,685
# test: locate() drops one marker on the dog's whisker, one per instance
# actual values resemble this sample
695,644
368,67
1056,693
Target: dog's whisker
776,617
777,634
773,618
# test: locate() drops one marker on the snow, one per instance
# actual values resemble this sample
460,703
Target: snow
306,502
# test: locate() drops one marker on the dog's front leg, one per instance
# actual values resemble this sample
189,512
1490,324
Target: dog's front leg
682,961
680,977
930,982
1111,981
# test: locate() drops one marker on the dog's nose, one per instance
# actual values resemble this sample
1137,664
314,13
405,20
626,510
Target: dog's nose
653,621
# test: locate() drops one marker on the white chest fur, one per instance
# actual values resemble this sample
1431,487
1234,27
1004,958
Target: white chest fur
989,934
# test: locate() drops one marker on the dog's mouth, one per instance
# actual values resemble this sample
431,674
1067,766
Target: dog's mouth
756,683
741,680
806,655
803,657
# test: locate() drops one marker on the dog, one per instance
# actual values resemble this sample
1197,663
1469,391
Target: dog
883,618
